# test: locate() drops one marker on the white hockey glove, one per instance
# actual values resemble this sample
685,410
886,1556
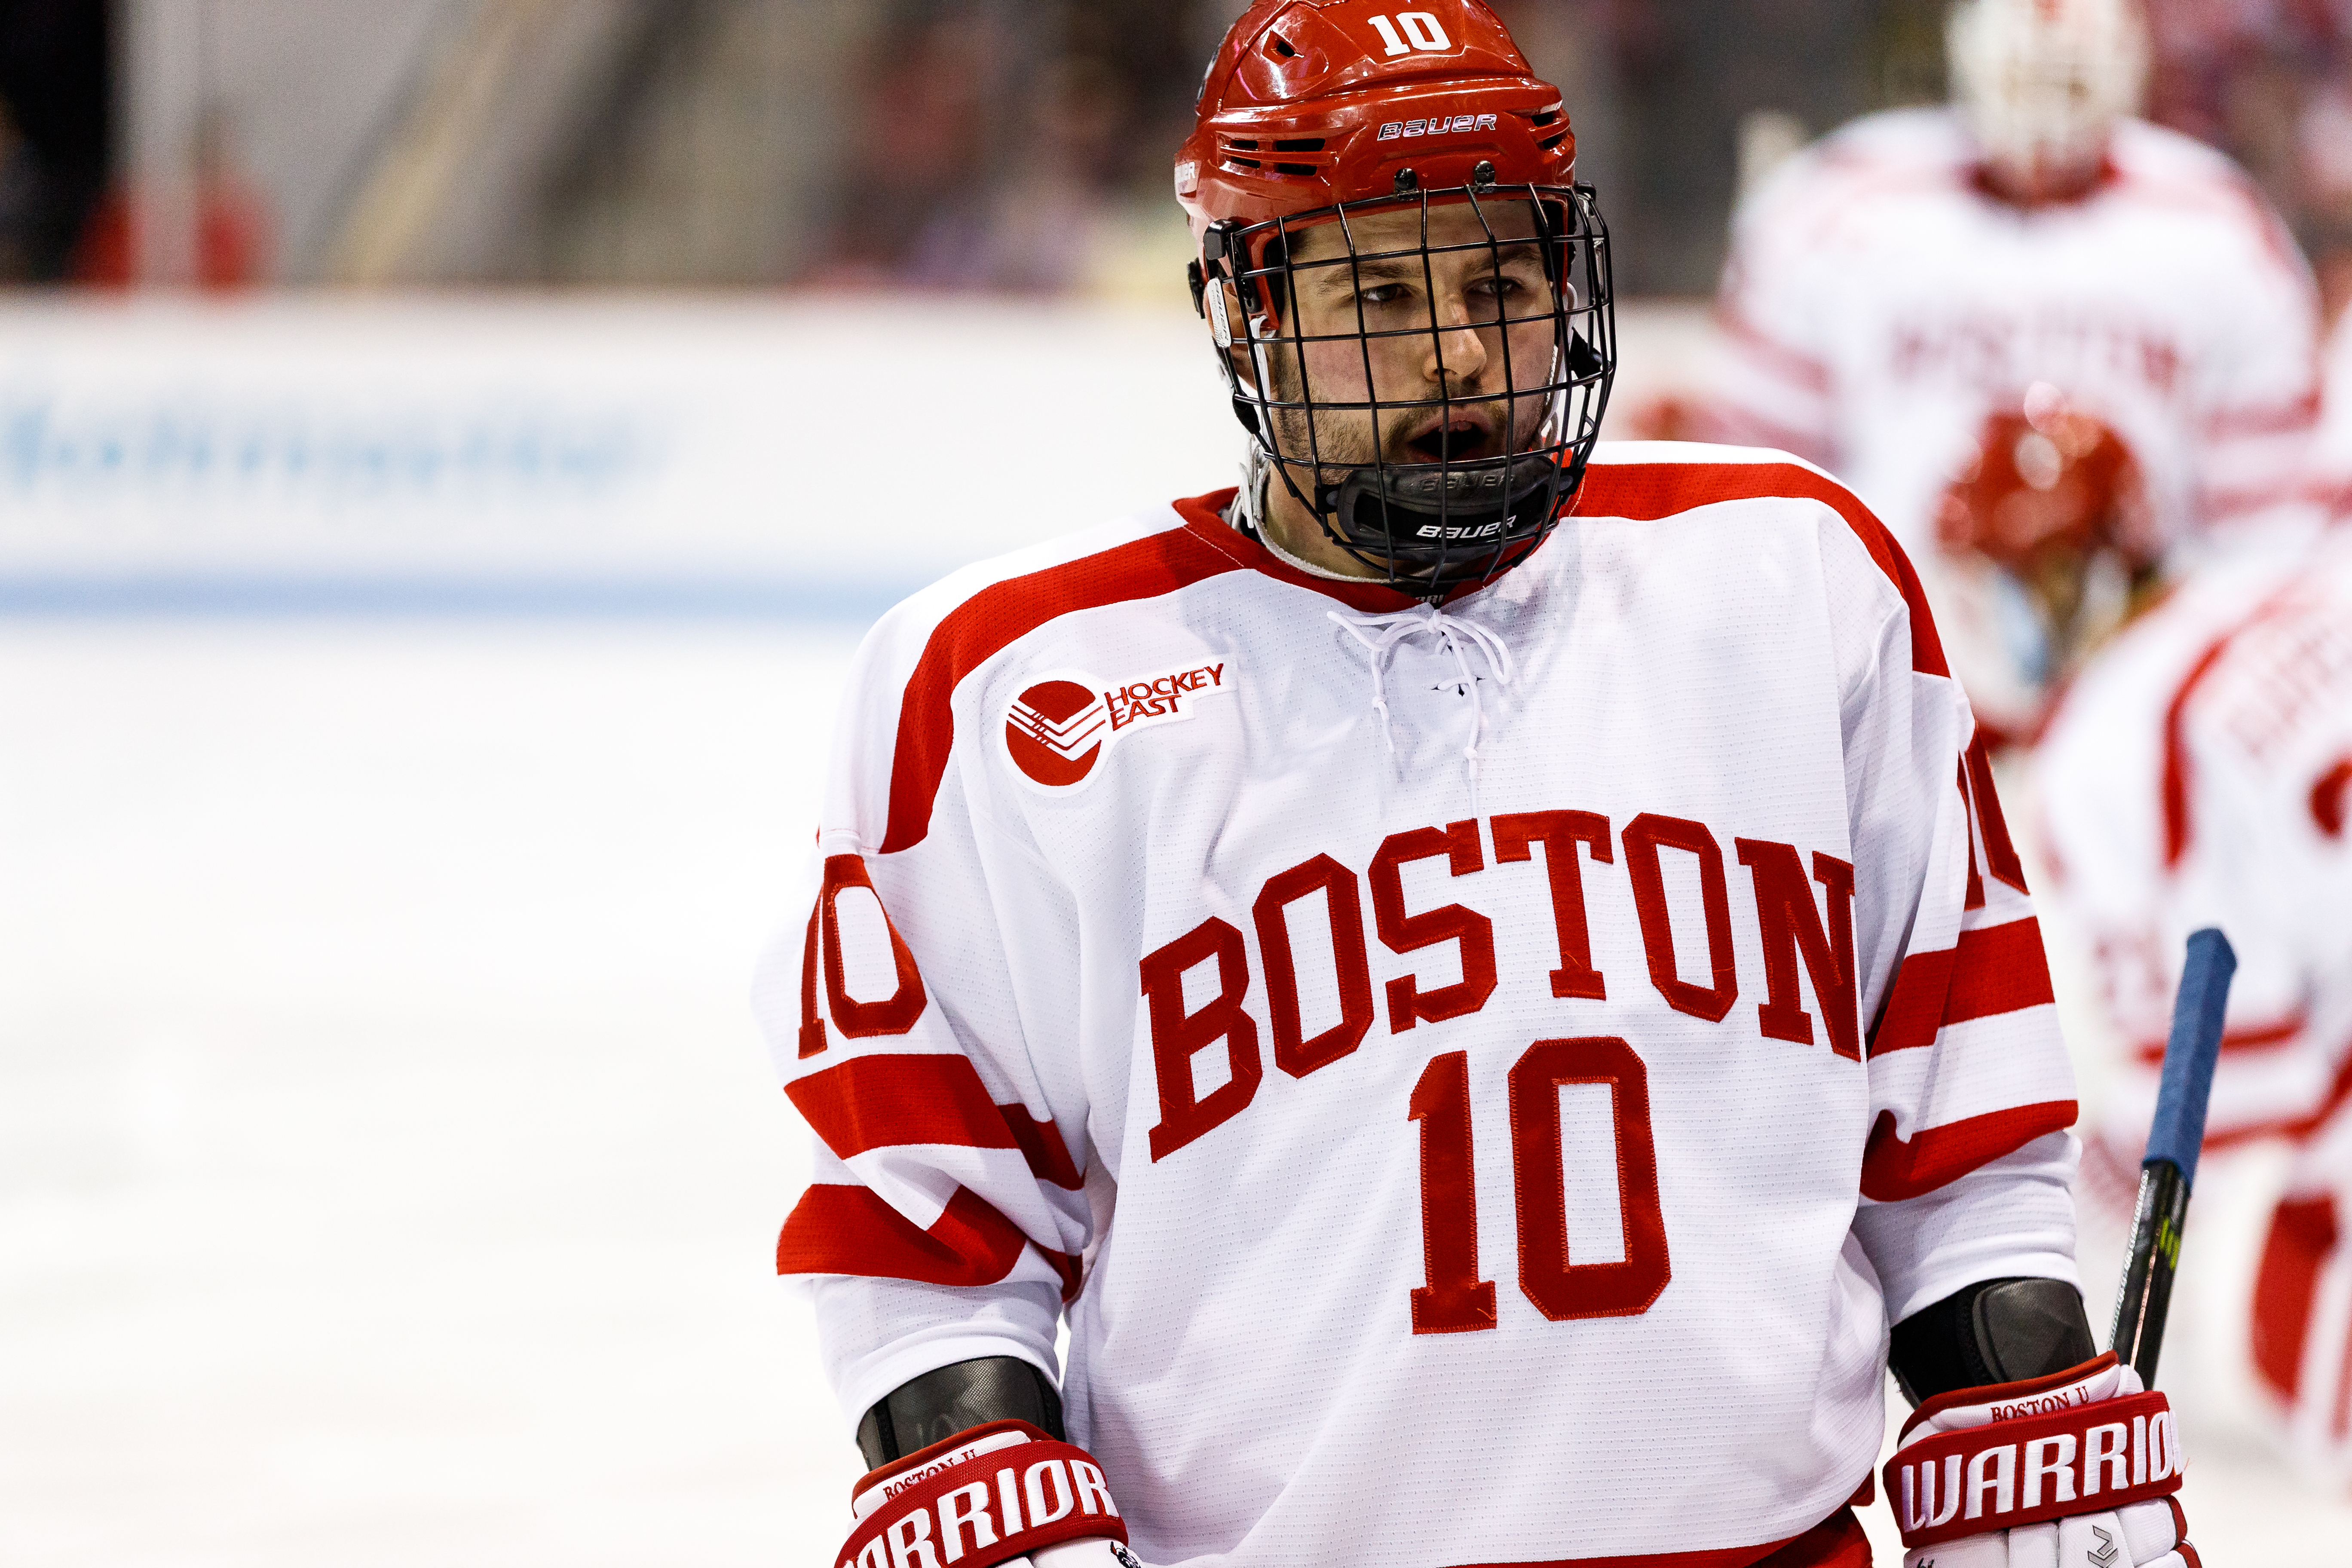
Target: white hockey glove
1000,1494
2073,1470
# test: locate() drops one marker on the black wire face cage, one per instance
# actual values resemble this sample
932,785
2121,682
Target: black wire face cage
1434,474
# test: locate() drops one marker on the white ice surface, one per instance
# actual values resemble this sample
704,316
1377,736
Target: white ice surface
388,1167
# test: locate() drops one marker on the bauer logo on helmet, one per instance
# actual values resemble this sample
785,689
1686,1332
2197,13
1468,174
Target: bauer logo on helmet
1442,125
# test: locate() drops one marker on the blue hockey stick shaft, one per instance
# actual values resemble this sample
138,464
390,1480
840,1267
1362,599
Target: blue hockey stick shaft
2174,1139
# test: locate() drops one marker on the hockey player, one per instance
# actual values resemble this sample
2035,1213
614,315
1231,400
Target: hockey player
2200,774
2056,348
1474,976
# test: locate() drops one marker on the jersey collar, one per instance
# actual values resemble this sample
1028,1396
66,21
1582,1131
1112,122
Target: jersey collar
1205,517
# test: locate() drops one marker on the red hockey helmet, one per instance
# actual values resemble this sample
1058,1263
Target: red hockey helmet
1320,116
2050,516
2047,486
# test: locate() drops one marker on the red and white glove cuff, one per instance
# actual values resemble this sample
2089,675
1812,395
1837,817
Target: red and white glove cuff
983,1497
1983,1459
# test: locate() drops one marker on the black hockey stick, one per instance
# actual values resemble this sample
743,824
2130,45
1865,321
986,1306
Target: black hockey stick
2173,1141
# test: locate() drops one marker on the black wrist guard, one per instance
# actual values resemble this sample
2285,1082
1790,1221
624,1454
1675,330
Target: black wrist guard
939,1404
1996,1331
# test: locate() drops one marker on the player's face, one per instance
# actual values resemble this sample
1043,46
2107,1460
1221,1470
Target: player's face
1414,355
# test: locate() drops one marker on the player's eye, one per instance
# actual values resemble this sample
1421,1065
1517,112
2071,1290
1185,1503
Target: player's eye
1382,294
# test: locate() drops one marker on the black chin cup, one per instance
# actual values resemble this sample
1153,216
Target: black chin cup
1435,526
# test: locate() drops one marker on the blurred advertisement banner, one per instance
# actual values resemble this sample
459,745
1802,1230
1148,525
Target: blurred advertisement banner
809,457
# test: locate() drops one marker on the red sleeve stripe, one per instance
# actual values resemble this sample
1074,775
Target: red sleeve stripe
993,620
1893,1170
880,1102
1041,1144
840,1230
1999,969
1646,491
2339,1092
2269,1036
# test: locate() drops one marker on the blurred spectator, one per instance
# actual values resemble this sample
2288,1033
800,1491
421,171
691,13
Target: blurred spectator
996,142
2270,82
232,219
994,138
56,131
1685,80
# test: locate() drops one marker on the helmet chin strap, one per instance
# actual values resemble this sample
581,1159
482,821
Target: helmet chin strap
1263,466
1468,512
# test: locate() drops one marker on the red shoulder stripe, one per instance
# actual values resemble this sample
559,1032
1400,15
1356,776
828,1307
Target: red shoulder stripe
1893,1170
1648,491
1999,969
878,1101
840,1229
991,621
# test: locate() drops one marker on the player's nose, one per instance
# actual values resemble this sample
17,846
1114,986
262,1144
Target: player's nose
1456,351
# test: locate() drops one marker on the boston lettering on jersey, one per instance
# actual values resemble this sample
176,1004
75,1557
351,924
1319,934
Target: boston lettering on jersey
1798,926
1997,352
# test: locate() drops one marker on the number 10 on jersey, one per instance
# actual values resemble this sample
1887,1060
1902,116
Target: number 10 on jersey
1456,1299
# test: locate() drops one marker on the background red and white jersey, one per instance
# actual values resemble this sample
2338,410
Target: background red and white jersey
2200,774
1479,1084
1879,304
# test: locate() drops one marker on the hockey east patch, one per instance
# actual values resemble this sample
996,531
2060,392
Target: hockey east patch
1057,730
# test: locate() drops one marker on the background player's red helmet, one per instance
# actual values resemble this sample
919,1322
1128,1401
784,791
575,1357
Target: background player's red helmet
2047,485
1316,112
2052,501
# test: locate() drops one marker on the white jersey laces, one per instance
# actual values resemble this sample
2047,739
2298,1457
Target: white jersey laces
1380,636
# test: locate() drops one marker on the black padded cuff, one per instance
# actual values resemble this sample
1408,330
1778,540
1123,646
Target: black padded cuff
1996,1331
939,1404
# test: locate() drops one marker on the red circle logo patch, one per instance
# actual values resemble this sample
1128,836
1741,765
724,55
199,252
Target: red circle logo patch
1054,731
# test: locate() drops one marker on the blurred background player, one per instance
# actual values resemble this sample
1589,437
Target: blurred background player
2199,772
2055,345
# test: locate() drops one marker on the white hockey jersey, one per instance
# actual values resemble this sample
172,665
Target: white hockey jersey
1878,305
2200,774
1479,1082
